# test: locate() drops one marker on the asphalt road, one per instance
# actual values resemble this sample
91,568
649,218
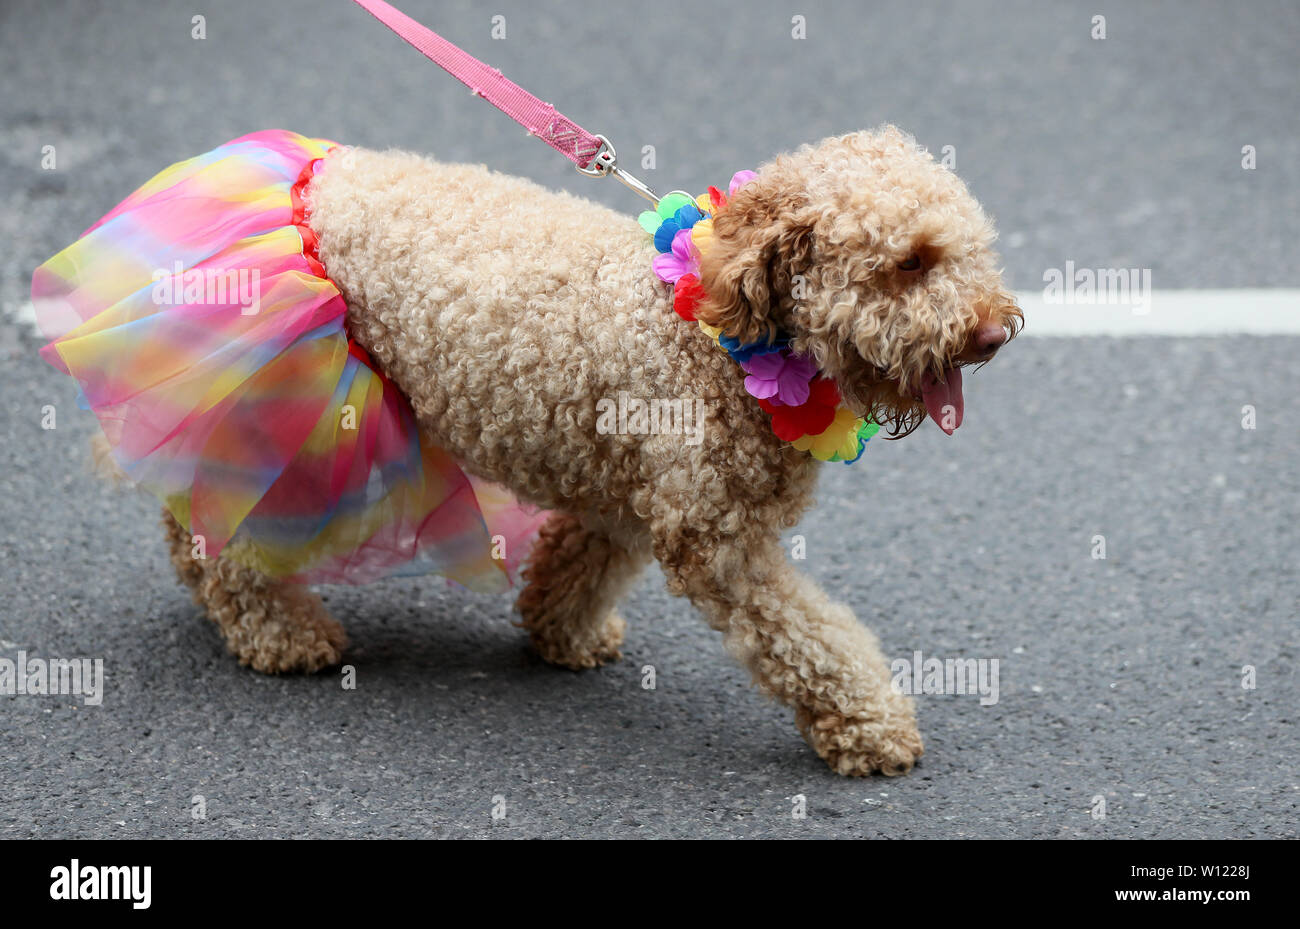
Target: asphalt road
1119,678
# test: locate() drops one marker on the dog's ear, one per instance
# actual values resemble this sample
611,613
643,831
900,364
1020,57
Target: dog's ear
761,239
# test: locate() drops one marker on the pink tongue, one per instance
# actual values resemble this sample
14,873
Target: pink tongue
943,400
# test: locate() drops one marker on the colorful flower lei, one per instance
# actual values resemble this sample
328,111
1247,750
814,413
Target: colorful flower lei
804,404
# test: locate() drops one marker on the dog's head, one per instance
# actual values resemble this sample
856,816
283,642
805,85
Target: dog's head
876,261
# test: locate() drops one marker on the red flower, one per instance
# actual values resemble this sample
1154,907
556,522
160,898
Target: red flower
717,198
687,296
813,418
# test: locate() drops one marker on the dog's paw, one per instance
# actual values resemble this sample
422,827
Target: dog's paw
858,747
300,644
579,649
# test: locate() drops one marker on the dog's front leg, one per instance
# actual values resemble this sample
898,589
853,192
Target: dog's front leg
799,646
575,575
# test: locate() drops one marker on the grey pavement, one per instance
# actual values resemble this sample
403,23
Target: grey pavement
1119,678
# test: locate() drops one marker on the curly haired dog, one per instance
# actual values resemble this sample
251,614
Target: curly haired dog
505,312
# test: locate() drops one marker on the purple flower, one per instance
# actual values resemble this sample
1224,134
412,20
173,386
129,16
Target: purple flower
781,377
681,260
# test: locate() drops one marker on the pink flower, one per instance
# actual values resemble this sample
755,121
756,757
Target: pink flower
781,377
739,180
682,260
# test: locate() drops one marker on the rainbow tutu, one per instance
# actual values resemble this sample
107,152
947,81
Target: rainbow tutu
210,343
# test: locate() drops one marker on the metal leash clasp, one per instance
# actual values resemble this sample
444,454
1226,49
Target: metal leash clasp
605,164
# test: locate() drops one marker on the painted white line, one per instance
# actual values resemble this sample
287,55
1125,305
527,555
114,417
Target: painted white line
23,316
1169,312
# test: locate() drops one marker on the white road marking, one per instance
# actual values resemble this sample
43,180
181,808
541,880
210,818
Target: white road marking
1170,312
23,316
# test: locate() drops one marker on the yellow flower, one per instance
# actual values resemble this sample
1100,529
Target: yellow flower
702,234
839,442
712,332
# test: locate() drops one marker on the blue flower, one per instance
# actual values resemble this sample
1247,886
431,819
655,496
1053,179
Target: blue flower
664,236
742,353
688,216
685,217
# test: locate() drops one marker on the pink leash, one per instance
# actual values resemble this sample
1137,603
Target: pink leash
592,154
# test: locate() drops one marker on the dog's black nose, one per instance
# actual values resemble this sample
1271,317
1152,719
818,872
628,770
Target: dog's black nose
988,338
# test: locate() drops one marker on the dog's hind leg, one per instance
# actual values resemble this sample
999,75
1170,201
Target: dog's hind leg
574,579
799,645
269,625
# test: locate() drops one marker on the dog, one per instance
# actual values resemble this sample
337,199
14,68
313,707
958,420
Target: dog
506,313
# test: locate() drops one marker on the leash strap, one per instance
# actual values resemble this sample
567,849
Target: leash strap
539,118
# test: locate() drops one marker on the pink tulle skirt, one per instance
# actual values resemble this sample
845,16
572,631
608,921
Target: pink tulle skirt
210,342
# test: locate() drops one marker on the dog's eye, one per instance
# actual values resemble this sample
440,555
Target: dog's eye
910,263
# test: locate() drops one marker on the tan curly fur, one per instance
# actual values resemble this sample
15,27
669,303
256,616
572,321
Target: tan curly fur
271,626
505,312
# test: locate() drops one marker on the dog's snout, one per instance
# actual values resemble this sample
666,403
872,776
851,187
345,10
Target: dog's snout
988,338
